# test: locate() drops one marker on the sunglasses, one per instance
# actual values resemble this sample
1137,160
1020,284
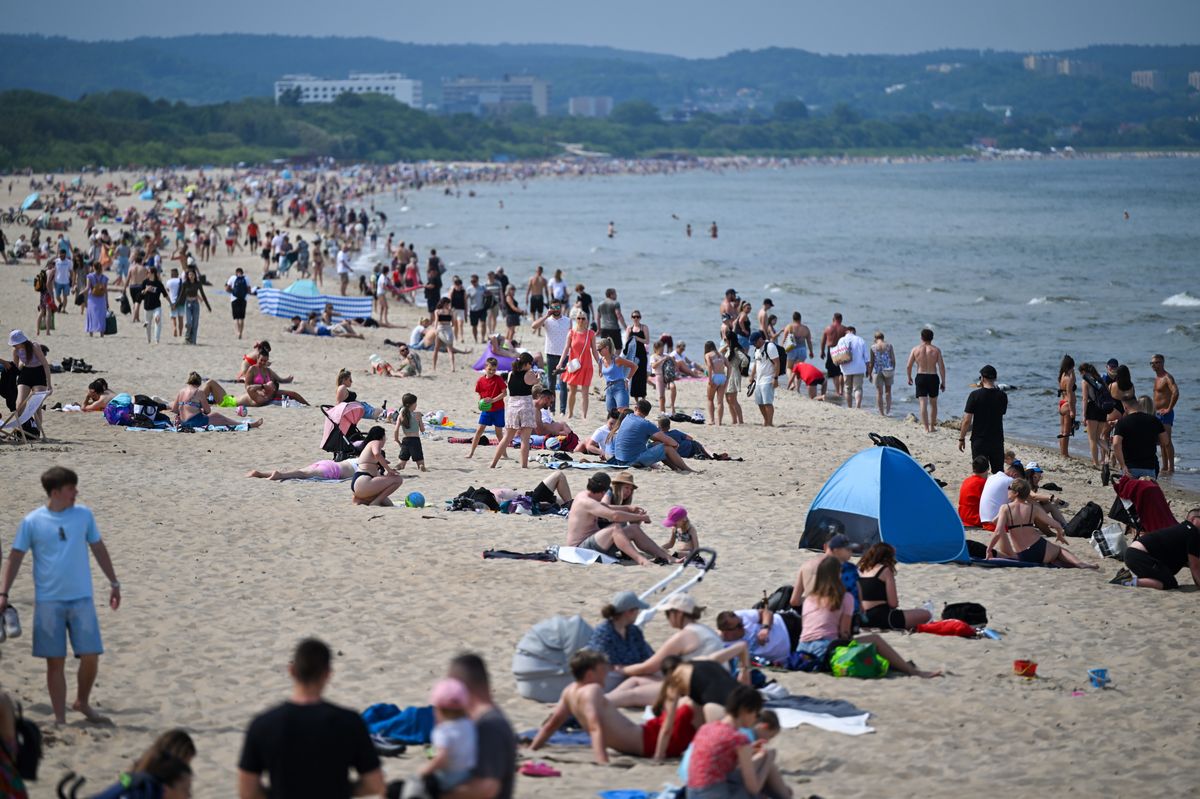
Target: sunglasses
637,316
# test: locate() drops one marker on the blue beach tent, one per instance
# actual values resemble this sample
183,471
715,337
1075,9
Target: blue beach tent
883,494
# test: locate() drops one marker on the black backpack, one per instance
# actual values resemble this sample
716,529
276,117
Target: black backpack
888,441
778,601
29,747
241,287
1086,521
971,612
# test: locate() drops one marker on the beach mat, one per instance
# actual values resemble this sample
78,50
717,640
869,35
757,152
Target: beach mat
1002,563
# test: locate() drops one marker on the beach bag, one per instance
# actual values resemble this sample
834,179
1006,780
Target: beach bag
29,747
971,612
669,372
1086,521
119,410
743,364
110,324
779,600
1109,541
840,354
39,281
888,441
125,307
858,660
573,366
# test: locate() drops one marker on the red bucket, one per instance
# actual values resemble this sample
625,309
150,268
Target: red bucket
1025,668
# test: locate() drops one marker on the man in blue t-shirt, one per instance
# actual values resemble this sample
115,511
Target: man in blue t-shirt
631,442
59,535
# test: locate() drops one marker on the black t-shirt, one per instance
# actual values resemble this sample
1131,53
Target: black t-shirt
1139,434
433,285
1172,545
308,750
153,293
458,299
988,406
517,387
497,749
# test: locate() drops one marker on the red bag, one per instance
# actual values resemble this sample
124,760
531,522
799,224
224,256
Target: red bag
953,627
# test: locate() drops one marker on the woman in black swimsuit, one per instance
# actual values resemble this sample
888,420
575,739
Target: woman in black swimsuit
458,305
705,683
880,599
374,479
33,371
1019,528
636,338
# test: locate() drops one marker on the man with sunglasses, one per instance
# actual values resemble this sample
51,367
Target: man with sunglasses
556,328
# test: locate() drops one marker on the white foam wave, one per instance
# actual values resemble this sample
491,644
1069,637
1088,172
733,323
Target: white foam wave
980,299
1182,300
1053,300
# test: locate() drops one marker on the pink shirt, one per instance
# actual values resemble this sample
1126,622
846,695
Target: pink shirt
820,623
714,754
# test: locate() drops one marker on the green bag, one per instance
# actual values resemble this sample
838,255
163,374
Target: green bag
858,660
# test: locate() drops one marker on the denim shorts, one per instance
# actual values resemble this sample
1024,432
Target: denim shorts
53,621
616,395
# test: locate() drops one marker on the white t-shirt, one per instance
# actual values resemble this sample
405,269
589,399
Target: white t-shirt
417,337
173,289
382,284
995,494
458,739
62,271
556,331
601,437
558,290
229,287
343,262
859,355
766,362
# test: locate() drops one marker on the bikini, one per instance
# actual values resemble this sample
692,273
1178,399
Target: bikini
1035,552
884,616
360,473
711,683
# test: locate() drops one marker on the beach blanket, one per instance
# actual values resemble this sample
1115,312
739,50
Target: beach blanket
583,557
212,428
411,725
560,738
581,465
846,725
274,302
838,708
1000,563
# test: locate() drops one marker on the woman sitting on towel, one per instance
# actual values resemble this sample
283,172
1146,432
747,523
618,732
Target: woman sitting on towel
693,641
191,403
1019,528
98,395
880,602
827,615
618,637
319,470
346,394
374,479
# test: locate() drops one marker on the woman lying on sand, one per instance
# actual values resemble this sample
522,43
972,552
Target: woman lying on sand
191,403
98,395
374,479
1019,528
321,470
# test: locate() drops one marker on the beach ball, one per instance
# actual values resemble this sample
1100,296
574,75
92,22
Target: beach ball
485,406
415,500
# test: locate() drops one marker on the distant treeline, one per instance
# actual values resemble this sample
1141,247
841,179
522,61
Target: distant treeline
121,128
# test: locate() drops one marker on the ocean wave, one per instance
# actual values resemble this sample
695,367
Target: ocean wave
1053,300
979,299
1191,331
1182,300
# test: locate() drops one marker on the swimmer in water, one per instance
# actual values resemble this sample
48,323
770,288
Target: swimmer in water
712,231
689,230
612,230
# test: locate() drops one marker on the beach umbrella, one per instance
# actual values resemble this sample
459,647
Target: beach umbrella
173,205
148,194
302,288
286,174
28,202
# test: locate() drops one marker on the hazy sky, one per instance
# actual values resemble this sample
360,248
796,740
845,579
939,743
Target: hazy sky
684,27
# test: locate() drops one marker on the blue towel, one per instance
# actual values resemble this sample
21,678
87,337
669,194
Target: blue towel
562,737
631,794
412,725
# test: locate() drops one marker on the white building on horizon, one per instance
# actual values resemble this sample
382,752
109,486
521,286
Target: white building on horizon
589,106
321,90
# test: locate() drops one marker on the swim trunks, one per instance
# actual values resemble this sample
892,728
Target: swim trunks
1167,418
591,543
831,368
927,385
681,733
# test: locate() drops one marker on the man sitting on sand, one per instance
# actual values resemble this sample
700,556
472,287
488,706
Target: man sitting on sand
971,490
622,534
608,727
543,403
631,442
600,443
686,446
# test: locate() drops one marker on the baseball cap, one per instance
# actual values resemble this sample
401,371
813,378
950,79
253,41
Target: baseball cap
1018,464
675,515
838,541
757,335
685,603
16,337
1033,467
988,372
449,693
627,600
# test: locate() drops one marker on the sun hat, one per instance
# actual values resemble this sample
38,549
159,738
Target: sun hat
674,516
988,372
627,600
16,337
449,693
1033,467
624,478
684,603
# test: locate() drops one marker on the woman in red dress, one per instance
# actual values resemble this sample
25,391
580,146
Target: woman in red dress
578,363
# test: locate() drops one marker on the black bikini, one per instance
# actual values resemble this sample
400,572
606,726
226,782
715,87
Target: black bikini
884,616
711,683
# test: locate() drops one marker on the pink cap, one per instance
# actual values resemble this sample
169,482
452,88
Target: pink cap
675,515
449,693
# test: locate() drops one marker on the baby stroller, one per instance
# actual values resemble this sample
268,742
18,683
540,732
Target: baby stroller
342,437
704,558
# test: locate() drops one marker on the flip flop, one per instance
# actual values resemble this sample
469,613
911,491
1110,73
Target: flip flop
539,769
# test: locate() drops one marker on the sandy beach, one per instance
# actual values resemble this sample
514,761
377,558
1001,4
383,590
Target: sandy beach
221,575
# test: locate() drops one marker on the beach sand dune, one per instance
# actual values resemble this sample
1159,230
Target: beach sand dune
222,575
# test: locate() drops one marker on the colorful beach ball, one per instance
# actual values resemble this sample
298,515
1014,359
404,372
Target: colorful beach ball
415,500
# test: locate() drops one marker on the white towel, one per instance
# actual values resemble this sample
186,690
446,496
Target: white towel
847,725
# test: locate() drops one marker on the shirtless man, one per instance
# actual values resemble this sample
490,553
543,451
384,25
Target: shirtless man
730,306
1166,395
608,727
535,294
137,275
764,313
801,339
623,535
931,375
829,339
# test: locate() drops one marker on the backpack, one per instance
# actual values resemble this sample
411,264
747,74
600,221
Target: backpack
971,612
779,600
29,747
1086,521
888,441
241,287
39,281
669,372
858,660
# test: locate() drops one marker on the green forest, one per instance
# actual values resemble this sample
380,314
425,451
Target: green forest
126,129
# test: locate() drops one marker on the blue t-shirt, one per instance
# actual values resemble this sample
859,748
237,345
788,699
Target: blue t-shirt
631,438
59,542
687,447
850,581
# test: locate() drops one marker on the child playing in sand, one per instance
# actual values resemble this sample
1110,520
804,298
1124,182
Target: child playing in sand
491,389
682,531
454,741
409,428
662,366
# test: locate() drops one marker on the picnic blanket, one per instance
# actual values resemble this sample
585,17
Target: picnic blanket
212,428
581,465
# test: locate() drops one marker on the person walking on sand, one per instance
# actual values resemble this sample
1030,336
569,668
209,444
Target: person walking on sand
59,535
983,418
882,371
764,375
829,338
854,369
1166,396
535,293
930,378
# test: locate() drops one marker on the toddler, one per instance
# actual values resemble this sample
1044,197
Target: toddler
683,532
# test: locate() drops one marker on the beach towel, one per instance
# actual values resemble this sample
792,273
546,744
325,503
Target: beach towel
1000,563
949,627
560,738
838,708
585,557
505,554
846,725
412,725
212,428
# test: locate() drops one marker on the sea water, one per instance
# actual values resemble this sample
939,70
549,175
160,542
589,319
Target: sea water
1010,263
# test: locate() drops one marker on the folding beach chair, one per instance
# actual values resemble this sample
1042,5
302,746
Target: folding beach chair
14,426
